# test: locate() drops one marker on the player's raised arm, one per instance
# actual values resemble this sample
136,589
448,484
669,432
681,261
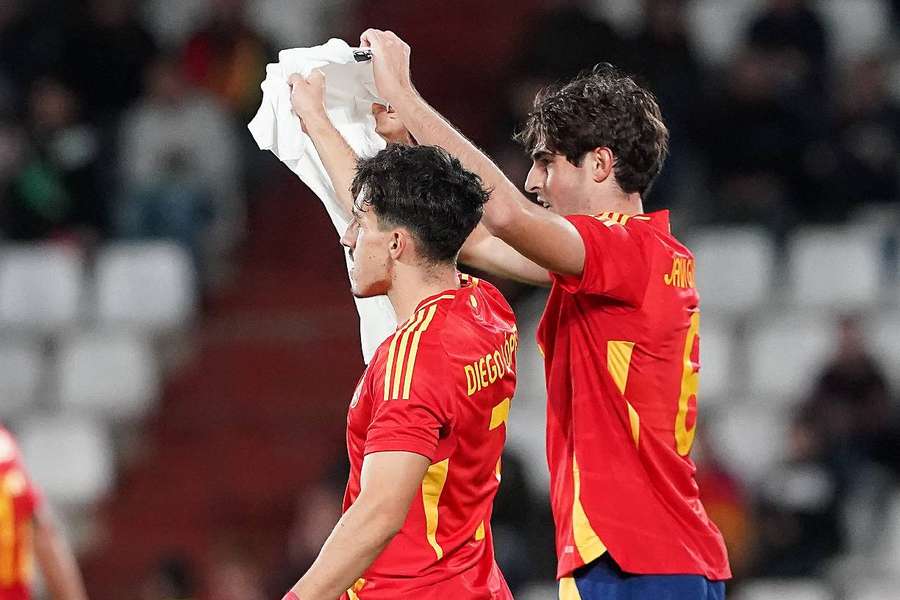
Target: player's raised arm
390,481
339,159
541,236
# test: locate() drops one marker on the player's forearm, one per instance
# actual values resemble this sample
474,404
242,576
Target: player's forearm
337,157
492,255
357,540
429,127
56,561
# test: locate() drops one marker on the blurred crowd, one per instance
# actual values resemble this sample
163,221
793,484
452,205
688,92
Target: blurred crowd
122,119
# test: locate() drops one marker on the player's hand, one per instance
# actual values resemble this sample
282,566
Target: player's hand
308,95
390,62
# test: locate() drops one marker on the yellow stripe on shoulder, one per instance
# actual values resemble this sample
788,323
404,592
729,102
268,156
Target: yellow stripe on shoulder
392,351
411,363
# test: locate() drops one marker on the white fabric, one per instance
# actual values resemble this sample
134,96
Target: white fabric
349,94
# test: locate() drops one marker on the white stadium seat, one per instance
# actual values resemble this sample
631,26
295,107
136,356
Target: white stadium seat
857,27
786,353
718,375
749,438
144,285
734,267
785,589
108,374
883,332
21,368
69,458
40,287
837,268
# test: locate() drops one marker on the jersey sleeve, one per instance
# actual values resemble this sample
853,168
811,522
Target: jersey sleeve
615,264
413,411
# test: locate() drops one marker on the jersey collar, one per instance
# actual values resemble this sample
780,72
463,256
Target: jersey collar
659,220
465,281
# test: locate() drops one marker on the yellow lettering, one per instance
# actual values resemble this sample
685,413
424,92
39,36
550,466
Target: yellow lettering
482,373
471,380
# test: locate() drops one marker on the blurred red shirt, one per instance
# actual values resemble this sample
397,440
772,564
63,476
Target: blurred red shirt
19,501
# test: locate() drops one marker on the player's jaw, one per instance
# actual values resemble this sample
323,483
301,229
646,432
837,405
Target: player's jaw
369,269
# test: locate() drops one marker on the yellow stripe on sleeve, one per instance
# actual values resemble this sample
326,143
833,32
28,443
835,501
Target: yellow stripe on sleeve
432,486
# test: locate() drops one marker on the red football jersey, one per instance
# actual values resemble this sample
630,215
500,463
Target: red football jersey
621,350
441,387
18,502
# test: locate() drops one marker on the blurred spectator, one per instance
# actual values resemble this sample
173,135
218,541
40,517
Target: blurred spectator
850,406
228,57
179,163
513,524
757,179
318,509
662,54
105,55
726,504
795,39
233,576
868,135
56,188
171,580
30,45
798,508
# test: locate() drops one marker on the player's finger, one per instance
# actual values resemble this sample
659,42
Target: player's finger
317,77
365,40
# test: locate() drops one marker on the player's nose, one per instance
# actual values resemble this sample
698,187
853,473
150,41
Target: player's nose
348,240
534,181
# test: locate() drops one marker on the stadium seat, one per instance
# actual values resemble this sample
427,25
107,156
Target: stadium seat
878,589
21,369
785,589
734,267
111,375
749,438
890,543
69,458
718,374
857,28
883,331
785,354
149,286
40,287
718,27
836,268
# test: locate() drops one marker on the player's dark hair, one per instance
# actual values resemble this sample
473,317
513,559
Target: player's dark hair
599,108
425,190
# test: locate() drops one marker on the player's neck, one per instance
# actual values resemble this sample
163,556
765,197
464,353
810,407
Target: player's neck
412,285
626,204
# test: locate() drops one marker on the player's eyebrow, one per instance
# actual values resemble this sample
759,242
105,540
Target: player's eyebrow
541,154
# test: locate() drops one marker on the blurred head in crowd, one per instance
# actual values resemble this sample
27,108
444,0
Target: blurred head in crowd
110,13
172,579
164,82
865,88
52,105
414,208
592,141
389,126
665,18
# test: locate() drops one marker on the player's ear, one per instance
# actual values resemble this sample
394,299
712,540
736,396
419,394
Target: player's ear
601,162
397,244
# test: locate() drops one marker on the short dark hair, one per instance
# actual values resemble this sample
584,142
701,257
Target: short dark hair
425,190
601,107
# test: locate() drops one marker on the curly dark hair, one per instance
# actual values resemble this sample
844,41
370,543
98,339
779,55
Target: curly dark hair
425,190
601,107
